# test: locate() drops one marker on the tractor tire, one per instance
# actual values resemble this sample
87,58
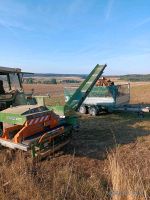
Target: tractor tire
93,111
83,109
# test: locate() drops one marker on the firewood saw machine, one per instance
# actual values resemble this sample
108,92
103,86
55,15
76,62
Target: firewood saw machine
28,123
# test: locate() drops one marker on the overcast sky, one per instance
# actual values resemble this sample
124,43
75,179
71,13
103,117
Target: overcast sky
72,36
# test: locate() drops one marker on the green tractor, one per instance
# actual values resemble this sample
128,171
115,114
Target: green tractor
11,89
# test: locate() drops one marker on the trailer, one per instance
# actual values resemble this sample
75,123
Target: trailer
102,98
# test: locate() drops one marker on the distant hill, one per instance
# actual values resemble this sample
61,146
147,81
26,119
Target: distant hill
55,75
136,77
129,77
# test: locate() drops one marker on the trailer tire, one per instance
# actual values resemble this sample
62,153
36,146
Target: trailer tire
93,111
83,109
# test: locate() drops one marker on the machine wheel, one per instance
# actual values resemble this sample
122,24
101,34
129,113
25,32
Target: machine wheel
93,111
83,109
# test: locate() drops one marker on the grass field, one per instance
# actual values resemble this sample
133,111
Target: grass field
140,93
107,159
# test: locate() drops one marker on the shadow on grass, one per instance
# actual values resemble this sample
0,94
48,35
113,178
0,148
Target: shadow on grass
98,135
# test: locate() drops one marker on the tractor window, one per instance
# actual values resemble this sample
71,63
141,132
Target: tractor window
14,82
3,78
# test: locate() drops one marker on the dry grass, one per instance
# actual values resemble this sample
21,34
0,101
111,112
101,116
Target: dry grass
107,159
45,89
140,93
128,180
56,92
107,162
22,179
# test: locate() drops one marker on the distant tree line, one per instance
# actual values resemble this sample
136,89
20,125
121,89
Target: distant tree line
70,81
55,75
50,81
136,77
32,81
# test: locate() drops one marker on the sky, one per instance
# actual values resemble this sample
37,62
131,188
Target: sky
72,36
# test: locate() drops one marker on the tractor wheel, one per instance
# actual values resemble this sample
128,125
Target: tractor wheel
93,111
83,109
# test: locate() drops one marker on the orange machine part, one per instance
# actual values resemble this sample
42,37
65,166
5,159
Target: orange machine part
13,128
57,132
29,129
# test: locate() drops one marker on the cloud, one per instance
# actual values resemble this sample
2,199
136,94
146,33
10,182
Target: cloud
109,9
79,7
13,16
12,26
143,22
8,27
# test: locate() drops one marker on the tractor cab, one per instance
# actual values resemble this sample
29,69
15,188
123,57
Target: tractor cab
11,89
